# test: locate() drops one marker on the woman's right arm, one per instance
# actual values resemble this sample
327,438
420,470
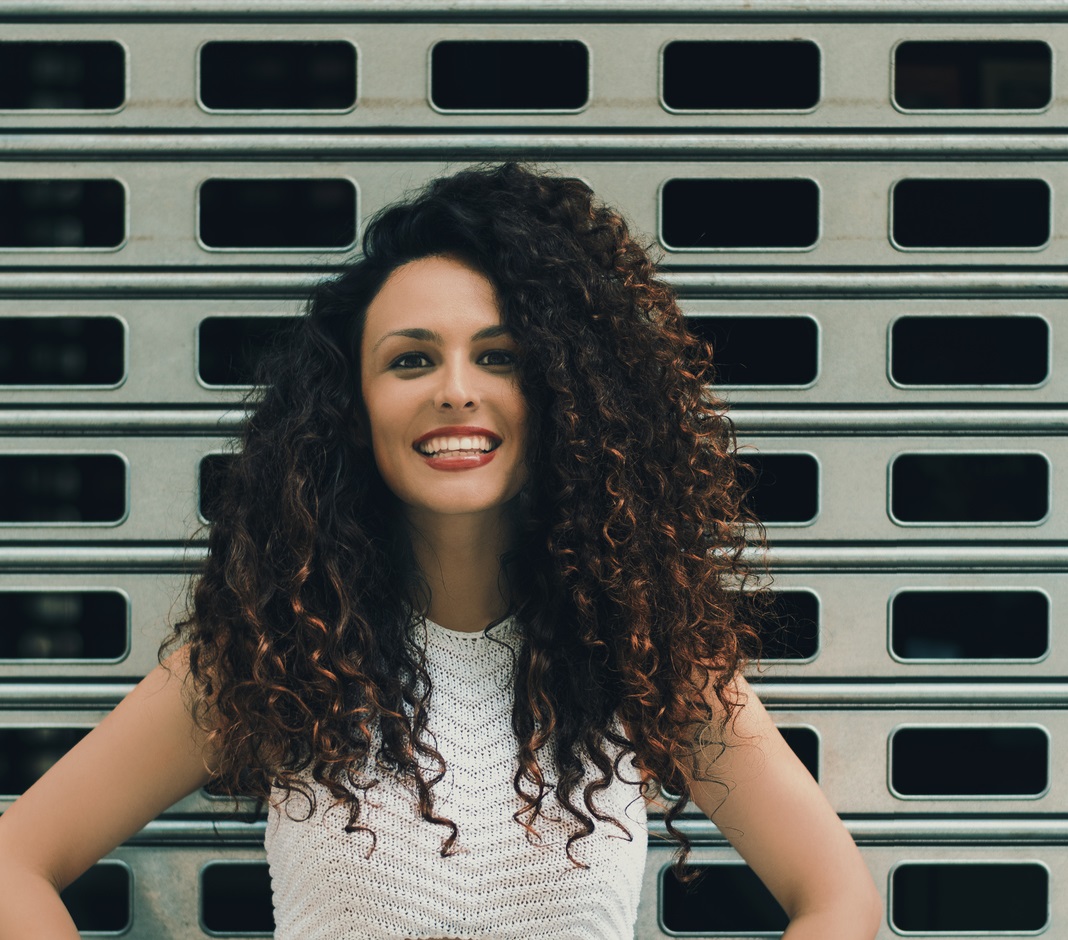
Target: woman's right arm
144,757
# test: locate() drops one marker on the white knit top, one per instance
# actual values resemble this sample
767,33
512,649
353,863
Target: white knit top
498,886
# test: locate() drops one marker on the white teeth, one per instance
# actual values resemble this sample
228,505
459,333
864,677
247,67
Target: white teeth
475,443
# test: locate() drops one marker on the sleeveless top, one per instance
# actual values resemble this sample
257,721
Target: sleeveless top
497,885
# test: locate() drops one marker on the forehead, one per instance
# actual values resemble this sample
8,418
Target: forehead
444,290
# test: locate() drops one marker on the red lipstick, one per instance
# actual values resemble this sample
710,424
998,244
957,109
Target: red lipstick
457,461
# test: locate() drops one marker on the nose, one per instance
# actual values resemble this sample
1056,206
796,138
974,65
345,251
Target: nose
458,387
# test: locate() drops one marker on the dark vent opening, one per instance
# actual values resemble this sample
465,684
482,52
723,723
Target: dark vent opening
230,348
278,76
26,754
969,350
213,470
63,625
805,743
793,626
770,351
956,213
980,896
973,76
100,898
61,351
970,625
740,213
69,76
72,488
725,897
970,488
62,213
509,75
743,76
277,213
786,488
236,896
970,762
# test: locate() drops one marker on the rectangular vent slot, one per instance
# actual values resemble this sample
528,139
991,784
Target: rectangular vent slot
786,488
236,897
101,898
230,348
509,75
969,762
764,351
970,625
29,752
740,213
970,488
960,213
969,350
717,75
793,626
62,76
213,469
64,488
1002,75
724,898
805,743
980,897
278,76
62,213
81,625
61,351
277,213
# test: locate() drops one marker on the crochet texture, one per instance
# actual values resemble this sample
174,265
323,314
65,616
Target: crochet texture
498,886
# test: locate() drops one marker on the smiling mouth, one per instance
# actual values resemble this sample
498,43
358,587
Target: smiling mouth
457,446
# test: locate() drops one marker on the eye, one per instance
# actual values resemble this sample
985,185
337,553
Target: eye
406,361
502,357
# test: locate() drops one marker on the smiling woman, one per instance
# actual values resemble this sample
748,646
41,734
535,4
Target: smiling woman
475,591
442,394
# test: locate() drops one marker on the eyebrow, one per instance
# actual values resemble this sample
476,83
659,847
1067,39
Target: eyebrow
429,336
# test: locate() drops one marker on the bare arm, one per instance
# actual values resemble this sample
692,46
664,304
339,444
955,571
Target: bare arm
780,822
142,758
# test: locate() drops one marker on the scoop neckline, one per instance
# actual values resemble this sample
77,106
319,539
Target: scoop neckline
501,626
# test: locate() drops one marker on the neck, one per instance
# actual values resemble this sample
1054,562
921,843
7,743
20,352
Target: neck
460,558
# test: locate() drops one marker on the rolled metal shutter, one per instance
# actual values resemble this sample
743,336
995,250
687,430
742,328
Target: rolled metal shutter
859,203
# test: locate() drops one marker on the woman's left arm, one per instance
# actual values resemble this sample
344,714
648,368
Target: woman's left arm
780,822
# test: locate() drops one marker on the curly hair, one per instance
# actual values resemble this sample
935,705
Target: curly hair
627,576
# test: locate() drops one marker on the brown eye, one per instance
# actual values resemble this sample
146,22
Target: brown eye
502,356
405,361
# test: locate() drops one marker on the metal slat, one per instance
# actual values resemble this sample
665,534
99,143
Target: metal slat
854,208
625,90
401,10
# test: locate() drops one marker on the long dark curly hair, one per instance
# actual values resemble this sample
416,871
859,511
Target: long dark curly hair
627,578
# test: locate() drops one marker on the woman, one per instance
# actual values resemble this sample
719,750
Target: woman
471,595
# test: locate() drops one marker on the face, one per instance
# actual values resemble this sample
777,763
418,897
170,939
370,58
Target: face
441,390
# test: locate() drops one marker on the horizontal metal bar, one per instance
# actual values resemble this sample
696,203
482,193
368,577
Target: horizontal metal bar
792,695
859,421
720,283
939,831
124,421
874,421
901,421
662,145
422,10
1043,831
919,558
48,558
899,694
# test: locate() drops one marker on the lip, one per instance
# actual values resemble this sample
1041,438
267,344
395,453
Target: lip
456,430
459,461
